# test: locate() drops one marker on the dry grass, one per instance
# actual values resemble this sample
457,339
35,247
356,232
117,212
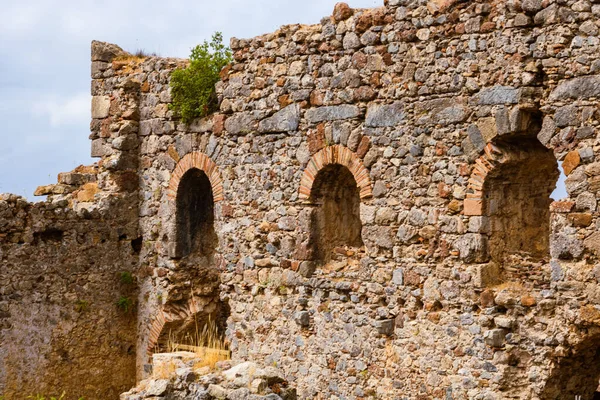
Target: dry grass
208,343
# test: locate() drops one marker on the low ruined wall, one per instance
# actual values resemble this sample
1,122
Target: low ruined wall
61,276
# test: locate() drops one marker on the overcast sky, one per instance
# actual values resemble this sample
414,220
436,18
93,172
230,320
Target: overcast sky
45,65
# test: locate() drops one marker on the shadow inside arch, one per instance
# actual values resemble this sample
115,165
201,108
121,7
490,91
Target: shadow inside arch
577,375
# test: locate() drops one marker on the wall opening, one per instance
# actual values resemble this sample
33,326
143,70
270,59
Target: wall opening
517,200
335,221
195,215
577,374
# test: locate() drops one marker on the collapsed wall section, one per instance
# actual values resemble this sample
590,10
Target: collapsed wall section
68,265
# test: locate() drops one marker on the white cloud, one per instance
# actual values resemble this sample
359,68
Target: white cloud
71,110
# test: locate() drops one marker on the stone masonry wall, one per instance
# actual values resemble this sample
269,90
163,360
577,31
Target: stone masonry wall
419,100
451,117
68,266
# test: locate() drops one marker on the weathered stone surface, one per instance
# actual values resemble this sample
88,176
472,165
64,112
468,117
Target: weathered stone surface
240,123
332,113
342,12
106,52
571,162
380,115
100,106
440,111
285,120
448,251
498,95
577,88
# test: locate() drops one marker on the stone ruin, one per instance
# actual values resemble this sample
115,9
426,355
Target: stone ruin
369,212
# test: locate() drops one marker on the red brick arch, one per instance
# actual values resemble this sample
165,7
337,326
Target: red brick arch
341,155
494,156
202,162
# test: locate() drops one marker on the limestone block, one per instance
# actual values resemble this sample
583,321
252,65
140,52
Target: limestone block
577,88
332,113
383,115
495,338
100,106
497,95
286,120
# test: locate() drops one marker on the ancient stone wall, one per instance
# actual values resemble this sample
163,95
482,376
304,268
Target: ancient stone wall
451,118
370,209
68,266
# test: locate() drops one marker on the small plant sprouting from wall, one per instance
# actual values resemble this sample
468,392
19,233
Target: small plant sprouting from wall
193,88
80,306
125,304
126,278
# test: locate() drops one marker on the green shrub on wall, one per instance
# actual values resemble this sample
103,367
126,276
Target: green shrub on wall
193,88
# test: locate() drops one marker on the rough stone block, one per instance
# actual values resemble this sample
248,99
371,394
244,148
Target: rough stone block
332,113
577,88
102,51
385,327
100,148
495,338
383,115
302,318
486,275
473,247
286,120
100,106
497,95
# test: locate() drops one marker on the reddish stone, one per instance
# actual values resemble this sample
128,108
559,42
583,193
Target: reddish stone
387,59
444,190
571,162
408,35
316,98
224,74
227,210
473,207
218,124
363,146
364,93
364,22
464,169
460,29
562,206
341,12
580,219
161,272
284,100
375,79
316,139
434,317
488,26
411,278
486,298
105,127
359,60
440,149
528,301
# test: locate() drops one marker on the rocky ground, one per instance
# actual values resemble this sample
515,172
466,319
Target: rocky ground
179,376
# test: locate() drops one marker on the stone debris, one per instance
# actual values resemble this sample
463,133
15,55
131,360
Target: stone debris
244,381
